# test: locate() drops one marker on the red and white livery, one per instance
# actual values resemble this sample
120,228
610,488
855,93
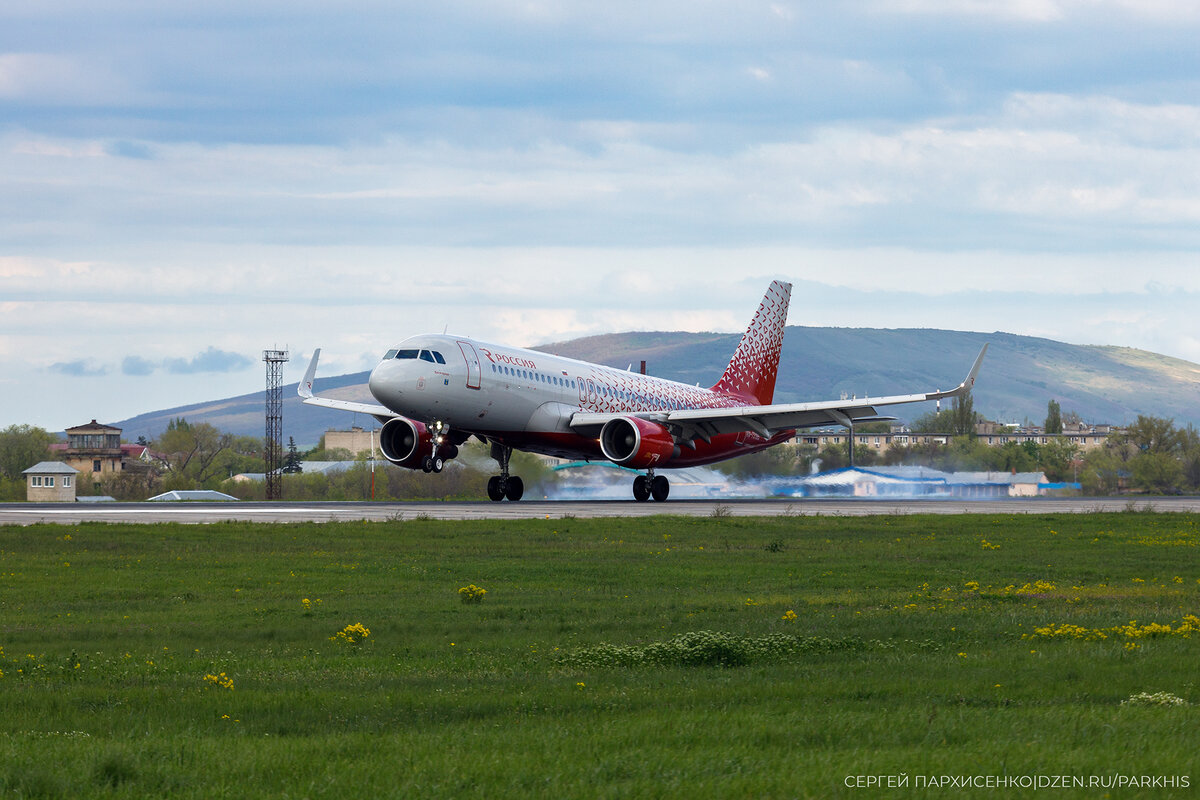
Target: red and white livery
437,391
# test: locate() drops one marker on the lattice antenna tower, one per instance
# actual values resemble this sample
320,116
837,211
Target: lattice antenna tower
274,359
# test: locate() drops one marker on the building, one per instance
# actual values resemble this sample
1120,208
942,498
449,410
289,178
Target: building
50,482
1086,438
898,482
356,440
95,449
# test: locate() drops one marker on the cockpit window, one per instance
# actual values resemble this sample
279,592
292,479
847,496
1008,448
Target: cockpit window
438,357
406,354
390,354
427,356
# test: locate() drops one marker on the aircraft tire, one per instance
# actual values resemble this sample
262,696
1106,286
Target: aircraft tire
495,489
427,464
641,488
438,463
515,488
660,487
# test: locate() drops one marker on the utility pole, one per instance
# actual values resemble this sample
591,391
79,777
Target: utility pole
275,359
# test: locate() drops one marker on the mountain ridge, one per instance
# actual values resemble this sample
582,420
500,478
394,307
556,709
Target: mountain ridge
1021,374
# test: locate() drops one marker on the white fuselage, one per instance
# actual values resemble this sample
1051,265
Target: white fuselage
523,397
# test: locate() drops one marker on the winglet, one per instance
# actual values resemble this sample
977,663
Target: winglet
304,388
967,384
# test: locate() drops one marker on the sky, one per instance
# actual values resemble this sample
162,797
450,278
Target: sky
183,185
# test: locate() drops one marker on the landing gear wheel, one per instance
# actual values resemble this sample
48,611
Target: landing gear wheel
641,488
438,463
514,488
495,489
504,485
660,487
427,464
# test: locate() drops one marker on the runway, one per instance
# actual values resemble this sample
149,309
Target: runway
204,513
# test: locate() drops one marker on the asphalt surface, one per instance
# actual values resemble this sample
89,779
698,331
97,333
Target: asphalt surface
201,513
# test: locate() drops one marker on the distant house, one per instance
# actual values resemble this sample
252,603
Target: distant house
50,482
918,482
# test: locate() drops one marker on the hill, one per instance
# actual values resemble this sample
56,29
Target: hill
1020,376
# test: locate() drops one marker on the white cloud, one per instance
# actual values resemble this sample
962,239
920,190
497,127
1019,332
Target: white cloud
44,79
1047,11
236,175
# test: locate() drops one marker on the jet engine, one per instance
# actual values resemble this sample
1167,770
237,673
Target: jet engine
637,443
405,442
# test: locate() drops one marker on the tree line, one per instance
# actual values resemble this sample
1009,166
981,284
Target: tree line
1152,455
190,456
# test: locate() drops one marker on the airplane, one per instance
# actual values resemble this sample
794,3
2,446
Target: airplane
437,391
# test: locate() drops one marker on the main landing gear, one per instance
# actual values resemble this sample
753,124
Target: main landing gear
504,485
651,485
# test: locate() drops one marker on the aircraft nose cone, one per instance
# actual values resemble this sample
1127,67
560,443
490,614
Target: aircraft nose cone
384,382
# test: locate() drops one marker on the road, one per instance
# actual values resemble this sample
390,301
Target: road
200,513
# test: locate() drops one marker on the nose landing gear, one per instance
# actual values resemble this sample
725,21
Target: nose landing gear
651,485
504,485
435,462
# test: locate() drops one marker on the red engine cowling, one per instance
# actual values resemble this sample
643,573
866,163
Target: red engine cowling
636,443
404,442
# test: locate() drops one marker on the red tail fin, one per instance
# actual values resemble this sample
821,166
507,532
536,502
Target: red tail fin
752,370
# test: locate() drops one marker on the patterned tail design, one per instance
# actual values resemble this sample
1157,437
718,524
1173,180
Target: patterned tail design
751,373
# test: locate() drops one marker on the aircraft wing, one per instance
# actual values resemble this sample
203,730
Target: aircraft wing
304,389
703,423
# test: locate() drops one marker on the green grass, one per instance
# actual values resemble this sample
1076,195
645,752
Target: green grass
586,670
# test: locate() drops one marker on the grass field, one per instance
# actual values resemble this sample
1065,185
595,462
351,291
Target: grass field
660,657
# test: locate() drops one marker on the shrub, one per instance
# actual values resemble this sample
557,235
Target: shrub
471,595
351,634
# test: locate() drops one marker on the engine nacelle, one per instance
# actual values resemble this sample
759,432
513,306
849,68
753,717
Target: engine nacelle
404,442
637,443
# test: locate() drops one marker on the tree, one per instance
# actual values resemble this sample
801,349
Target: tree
22,446
1058,457
1191,457
962,415
1103,470
932,422
291,463
1155,435
1054,419
193,452
1157,472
